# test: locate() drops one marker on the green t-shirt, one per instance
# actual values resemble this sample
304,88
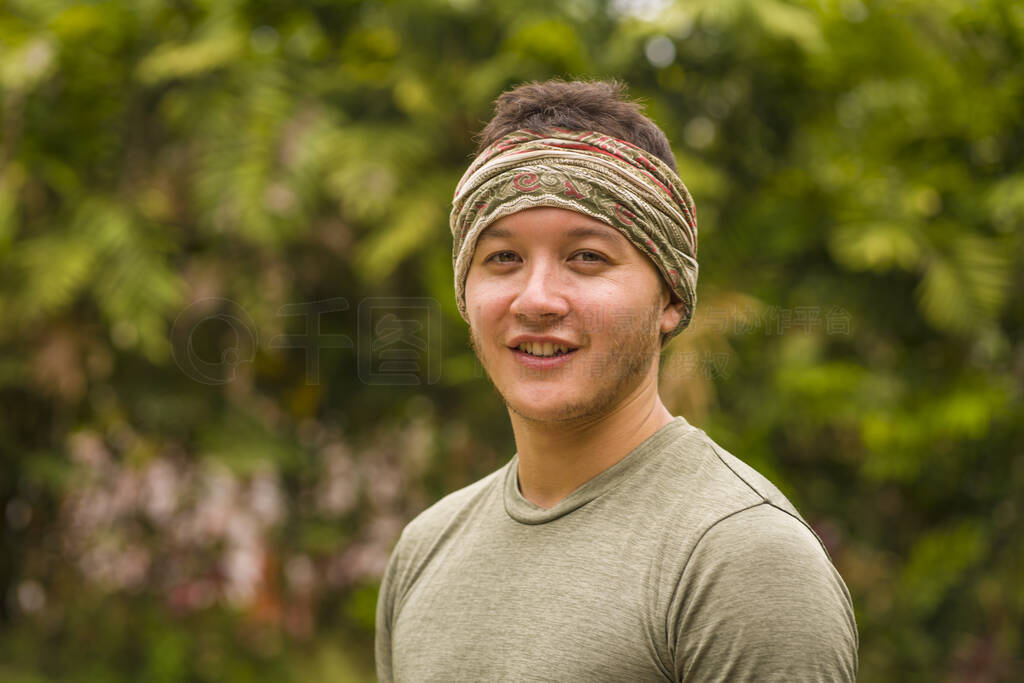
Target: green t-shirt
678,563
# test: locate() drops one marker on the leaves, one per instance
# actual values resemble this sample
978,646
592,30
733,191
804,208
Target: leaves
257,171
940,558
876,246
966,286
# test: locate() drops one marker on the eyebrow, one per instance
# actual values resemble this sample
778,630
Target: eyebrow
608,234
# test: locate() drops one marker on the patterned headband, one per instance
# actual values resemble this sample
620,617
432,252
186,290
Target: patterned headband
591,173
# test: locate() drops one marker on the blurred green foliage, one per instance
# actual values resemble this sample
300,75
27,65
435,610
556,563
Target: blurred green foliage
182,180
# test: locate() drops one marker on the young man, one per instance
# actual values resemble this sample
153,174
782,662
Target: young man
620,543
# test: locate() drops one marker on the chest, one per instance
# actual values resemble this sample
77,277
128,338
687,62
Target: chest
533,604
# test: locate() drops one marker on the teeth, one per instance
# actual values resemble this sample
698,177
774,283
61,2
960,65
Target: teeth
542,349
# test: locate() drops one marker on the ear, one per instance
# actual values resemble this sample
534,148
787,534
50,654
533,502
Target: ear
672,311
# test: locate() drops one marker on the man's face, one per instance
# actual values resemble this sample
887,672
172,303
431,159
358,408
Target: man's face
552,276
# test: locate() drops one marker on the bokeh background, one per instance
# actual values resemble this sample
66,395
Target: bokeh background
231,367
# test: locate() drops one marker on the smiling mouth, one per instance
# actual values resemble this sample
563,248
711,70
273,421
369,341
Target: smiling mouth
544,350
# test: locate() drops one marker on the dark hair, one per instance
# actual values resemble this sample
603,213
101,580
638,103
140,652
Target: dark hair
601,106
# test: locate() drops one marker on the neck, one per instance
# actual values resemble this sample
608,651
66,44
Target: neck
556,458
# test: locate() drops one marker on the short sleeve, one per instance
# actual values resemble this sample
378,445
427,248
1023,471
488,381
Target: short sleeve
385,618
759,600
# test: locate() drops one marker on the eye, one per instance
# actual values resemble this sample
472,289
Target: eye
589,257
501,257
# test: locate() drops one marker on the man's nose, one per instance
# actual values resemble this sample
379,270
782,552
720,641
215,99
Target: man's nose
541,293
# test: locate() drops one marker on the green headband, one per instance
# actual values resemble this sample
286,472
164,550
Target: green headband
591,173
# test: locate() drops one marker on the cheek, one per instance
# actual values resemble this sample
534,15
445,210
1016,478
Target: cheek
471,292
621,315
484,301
487,292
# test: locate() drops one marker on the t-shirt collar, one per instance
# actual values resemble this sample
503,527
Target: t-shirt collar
522,510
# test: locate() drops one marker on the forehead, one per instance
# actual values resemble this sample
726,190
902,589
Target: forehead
535,223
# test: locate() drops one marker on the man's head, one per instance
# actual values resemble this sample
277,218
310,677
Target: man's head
580,105
572,225
565,315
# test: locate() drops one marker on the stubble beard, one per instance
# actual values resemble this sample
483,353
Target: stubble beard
623,367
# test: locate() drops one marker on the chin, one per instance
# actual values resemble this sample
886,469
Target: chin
554,412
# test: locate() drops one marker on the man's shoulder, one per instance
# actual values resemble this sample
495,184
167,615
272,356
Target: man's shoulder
746,518
754,579
749,476
695,485
442,516
761,583
707,469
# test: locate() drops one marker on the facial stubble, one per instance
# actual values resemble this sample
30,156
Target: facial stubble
628,361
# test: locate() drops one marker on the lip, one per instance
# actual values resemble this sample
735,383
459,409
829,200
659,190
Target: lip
542,363
532,362
516,341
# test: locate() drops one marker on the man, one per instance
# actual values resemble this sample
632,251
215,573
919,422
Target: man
620,543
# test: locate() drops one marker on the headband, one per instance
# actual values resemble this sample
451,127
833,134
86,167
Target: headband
591,173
